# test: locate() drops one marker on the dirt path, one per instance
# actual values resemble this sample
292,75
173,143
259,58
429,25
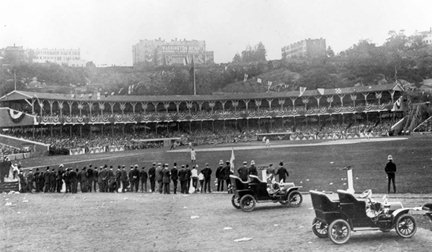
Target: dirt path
154,222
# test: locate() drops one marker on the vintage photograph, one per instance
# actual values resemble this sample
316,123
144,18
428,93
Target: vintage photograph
215,125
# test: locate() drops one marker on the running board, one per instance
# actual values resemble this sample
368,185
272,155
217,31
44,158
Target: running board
365,229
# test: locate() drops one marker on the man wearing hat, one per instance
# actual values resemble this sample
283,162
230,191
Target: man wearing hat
47,176
282,172
124,179
226,173
390,169
59,178
152,177
158,176
183,180
207,178
174,177
143,179
220,176
252,169
30,180
134,178
243,172
166,179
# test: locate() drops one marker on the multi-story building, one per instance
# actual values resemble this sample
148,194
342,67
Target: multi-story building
426,36
175,52
308,48
70,57
14,55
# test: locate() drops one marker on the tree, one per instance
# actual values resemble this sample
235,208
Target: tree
330,52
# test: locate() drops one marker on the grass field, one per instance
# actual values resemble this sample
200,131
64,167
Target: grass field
208,222
311,166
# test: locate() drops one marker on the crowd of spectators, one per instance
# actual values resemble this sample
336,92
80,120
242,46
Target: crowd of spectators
142,140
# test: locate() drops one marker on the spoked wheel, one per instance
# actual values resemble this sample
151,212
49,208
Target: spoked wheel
295,199
339,231
320,228
247,203
235,202
406,226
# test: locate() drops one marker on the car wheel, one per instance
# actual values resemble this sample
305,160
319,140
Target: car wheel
295,199
320,228
406,226
339,231
247,203
235,202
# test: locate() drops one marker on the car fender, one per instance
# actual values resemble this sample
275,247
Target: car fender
399,212
294,188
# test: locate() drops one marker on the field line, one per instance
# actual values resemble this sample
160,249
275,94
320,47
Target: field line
326,143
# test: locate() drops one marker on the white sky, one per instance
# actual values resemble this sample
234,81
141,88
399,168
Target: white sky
105,30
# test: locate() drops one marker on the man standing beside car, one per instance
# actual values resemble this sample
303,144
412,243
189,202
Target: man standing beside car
390,170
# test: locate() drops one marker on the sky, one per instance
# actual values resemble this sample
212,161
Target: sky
105,30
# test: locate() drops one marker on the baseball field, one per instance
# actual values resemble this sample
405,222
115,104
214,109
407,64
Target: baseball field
208,222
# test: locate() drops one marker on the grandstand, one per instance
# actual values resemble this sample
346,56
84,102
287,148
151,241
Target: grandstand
92,123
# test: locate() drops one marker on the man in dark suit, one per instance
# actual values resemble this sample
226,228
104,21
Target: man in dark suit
152,177
282,172
253,169
47,176
166,179
118,177
59,178
95,178
220,176
174,177
30,180
134,178
226,173
74,180
183,179
143,179
188,178
390,170
243,172
67,180
207,178
124,179
158,176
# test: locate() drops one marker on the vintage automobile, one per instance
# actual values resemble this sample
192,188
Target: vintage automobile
337,218
428,207
248,193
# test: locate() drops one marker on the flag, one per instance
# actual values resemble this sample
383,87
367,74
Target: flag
245,77
320,91
397,104
302,90
269,83
259,80
232,160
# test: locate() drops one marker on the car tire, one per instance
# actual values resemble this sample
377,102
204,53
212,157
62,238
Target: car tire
406,226
339,231
320,228
295,199
247,203
235,202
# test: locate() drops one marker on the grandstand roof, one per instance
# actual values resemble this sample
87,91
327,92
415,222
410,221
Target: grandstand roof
21,95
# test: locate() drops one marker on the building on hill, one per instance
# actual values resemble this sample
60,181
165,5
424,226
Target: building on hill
159,52
69,57
14,55
308,48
